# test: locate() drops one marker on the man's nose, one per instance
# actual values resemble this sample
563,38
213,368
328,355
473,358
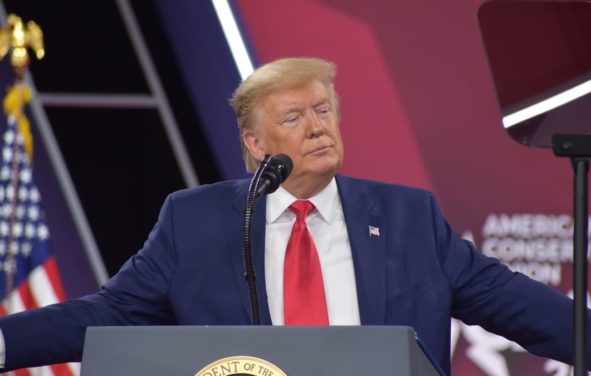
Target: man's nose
315,124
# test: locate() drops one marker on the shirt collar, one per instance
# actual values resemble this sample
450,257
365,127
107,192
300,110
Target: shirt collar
325,202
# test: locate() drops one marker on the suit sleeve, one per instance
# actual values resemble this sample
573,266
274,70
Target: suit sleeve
487,293
136,295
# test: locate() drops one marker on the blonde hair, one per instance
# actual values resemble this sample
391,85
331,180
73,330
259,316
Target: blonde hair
277,75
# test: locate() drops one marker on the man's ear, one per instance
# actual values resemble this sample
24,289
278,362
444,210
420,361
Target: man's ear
254,144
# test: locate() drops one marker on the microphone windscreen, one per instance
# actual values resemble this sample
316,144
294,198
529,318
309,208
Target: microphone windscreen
284,164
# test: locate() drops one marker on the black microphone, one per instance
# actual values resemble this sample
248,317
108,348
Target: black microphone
271,172
275,172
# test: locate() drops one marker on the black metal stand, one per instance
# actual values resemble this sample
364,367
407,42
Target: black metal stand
249,272
578,148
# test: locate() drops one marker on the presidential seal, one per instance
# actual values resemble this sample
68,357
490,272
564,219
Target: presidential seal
241,365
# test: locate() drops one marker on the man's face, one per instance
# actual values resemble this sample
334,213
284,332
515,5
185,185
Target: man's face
302,123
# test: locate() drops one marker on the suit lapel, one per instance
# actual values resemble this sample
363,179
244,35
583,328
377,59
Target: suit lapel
235,224
368,250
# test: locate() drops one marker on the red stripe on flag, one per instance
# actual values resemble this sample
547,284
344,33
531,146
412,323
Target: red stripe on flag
53,274
26,296
61,370
22,372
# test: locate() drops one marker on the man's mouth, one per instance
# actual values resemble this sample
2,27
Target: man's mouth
320,150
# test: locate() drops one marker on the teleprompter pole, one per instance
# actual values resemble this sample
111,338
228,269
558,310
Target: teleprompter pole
581,167
578,148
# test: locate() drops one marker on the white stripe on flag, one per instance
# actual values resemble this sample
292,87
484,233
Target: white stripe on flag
15,303
41,287
41,371
75,368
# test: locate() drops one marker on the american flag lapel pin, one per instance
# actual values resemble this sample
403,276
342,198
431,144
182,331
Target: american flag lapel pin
374,231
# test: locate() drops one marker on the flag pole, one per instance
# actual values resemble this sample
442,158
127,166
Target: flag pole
16,38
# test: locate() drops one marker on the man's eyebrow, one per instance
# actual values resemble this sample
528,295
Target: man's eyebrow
322,101
290,109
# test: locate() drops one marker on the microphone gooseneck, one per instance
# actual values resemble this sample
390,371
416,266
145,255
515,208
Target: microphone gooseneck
271,172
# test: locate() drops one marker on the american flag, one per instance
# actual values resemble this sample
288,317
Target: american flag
28,272
374,231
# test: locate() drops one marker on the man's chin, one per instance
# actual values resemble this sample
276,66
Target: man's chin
326,171
318,167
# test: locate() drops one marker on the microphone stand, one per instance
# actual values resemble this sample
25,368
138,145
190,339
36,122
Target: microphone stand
249,273
578,148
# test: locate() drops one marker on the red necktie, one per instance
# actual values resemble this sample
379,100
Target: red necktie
304,302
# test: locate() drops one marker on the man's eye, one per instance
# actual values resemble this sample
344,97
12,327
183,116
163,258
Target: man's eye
290,120
323,110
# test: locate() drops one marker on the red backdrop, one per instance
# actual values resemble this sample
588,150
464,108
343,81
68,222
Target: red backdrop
419,108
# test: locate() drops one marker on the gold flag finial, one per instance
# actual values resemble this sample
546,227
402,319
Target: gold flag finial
15,38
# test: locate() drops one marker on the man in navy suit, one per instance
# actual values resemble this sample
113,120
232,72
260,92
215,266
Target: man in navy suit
386,254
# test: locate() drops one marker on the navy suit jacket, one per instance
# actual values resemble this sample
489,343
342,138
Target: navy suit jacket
417,272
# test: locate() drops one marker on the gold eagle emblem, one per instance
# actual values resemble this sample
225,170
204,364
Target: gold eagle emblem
15,38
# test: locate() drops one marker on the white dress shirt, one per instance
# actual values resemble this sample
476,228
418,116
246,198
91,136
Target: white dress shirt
328,229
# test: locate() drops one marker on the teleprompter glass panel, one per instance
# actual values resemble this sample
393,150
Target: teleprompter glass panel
540,58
